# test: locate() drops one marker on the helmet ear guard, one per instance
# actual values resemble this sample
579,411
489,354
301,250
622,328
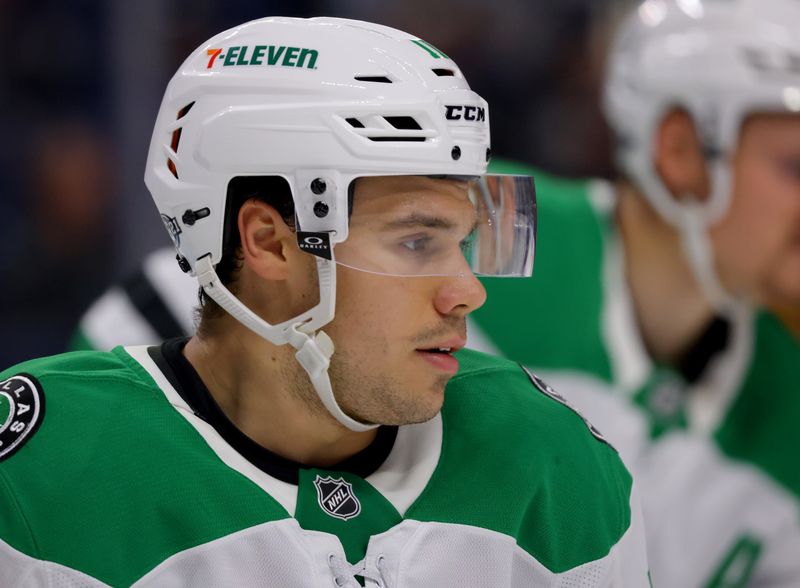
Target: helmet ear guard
322,202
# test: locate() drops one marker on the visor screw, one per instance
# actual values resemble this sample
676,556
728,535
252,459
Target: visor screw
455,153
318,186
192,216
320,209
488,153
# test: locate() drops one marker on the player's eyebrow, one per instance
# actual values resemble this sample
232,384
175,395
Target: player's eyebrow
420,219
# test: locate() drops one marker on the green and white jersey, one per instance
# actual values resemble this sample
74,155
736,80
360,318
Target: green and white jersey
712,446
112,472
152,304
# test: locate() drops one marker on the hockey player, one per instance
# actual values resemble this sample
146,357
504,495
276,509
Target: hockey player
654,287
285,446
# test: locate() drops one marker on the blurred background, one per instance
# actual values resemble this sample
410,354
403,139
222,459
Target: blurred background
82,80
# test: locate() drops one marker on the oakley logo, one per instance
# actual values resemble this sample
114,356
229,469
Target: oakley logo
465,112
318,244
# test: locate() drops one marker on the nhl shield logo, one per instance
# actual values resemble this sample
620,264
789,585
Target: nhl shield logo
336,497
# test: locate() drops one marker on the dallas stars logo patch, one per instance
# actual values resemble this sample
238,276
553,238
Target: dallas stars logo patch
21,412
336,497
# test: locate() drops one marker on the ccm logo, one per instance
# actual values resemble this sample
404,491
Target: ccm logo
459,112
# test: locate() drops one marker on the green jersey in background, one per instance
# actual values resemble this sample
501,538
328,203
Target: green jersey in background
712,444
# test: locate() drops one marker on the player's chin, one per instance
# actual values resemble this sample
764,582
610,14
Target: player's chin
783,291
421,416
425,407
441,383
432,403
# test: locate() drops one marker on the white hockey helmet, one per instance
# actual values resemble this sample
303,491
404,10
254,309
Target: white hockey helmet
719,60
319,102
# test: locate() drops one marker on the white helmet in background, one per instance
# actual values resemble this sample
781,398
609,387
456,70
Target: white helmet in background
719,60
318,102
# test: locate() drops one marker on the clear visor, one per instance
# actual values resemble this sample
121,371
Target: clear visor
449,226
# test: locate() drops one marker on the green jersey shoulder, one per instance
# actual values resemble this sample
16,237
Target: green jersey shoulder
498,421
99,471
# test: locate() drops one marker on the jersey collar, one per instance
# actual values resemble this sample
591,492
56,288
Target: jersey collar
186,381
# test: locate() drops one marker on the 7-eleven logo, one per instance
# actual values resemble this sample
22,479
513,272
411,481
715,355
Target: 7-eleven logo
277,55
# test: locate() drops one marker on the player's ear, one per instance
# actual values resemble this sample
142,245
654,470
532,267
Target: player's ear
266,239
679,156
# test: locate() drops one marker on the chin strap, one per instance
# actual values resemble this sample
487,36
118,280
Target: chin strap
699,253
314,354
314,350
692,219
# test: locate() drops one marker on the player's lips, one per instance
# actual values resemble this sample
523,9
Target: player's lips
440,354
450,345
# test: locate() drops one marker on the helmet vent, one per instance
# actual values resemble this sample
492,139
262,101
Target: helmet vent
385,139
176,139
387,128
374,79
405,123
355,123
185,110
441,72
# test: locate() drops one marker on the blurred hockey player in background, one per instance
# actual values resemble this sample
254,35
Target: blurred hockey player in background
655,324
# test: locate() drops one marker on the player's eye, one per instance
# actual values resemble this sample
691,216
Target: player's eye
417,244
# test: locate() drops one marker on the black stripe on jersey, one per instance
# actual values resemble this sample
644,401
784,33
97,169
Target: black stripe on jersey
147,301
